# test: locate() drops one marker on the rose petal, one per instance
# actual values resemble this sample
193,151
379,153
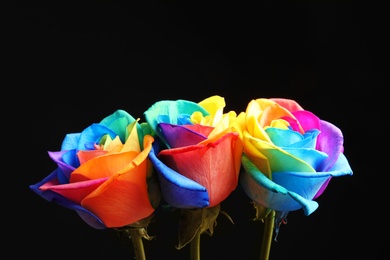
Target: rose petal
123,199
52,196
170,112
270,194
178,190
214,165
75,192
179,136
330,141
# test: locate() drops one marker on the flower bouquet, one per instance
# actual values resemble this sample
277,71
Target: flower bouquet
190,156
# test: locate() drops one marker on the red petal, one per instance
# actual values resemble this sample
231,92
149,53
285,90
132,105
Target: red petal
215,165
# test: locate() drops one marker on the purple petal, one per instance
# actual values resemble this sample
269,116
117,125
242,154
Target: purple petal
179,136
65,169
330,141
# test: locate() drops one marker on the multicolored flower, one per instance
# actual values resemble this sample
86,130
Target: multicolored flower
290,155
197,155
104,173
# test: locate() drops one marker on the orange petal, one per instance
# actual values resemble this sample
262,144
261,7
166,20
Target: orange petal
123,199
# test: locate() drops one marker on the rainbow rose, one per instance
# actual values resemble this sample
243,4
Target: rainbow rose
197,153
104,173
290,155
200,158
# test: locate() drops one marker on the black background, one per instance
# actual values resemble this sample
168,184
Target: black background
67,66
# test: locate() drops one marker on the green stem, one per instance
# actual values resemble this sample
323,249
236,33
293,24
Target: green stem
136,235
195,247
267,235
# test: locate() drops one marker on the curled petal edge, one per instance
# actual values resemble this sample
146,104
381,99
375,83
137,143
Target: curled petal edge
52,196
177,190
308,206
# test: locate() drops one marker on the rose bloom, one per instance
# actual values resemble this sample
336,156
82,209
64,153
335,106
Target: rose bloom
290,155
197,153
104,173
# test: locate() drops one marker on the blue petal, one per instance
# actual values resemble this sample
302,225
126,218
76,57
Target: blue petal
70,141
65,167
70,158
311,156
271,194
341,167
86,139
290,138
178,190
184,119
92,135
51,196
